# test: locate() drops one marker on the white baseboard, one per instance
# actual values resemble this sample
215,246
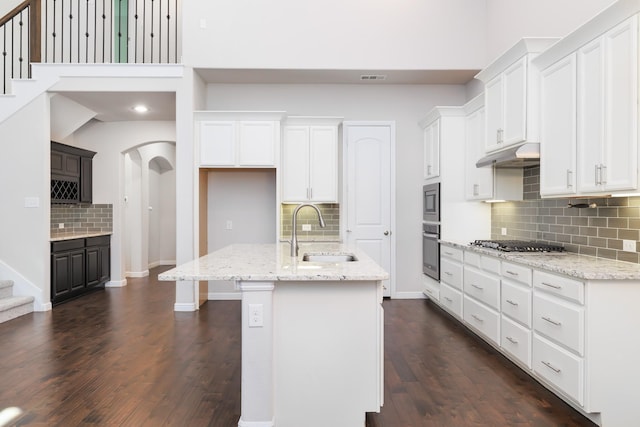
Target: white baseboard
256,423
42,307
408,295
162,262
116,283
185,306
224,296
144,273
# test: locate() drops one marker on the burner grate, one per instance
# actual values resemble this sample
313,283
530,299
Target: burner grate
518,246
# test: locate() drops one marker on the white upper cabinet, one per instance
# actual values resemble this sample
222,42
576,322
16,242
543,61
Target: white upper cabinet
235,139
558,128
588,124
478,181
607,111
511,95
310,161
431,142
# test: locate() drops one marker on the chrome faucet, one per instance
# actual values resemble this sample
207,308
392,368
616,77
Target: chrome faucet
294,226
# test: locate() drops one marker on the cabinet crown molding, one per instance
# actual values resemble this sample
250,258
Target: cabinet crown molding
238,115
314,120
528,45
598,25
440,111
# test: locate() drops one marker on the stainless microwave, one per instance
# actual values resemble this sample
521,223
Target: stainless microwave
431,202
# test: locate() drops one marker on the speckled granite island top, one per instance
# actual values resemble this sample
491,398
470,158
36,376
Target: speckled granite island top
272,262
570,264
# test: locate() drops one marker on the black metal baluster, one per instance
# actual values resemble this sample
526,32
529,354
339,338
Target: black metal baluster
4,59
46,33
175,20
103,30
151,34
95,30
54,32
168,31
13,49
112,14
86,33
20,58
29,44
144,28
70,32
160,32
135,38
79,36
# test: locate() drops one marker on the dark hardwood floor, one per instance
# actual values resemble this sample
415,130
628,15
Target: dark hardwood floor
123,357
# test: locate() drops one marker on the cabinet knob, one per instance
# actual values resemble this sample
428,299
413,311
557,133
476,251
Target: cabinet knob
386,233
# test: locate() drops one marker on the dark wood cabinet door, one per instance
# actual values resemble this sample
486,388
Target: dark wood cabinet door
86,180
77,270
60,275
93,266
105,263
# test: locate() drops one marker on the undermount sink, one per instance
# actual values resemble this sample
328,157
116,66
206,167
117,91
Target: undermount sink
329,258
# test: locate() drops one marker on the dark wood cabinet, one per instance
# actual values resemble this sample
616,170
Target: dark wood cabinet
79,266
71,174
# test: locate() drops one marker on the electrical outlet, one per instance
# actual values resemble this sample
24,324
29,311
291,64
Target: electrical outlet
504,231
61,225
306,227
256,315
229,225
629,245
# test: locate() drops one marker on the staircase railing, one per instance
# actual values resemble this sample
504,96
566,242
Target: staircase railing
88,31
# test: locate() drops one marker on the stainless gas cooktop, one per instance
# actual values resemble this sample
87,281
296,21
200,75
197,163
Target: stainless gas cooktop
517,246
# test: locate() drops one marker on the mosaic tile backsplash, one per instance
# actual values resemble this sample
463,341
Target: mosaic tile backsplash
596,231
330,213
80,219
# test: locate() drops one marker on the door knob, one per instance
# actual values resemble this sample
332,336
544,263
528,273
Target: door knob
386,233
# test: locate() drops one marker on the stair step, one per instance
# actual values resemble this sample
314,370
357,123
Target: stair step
6,288
12,307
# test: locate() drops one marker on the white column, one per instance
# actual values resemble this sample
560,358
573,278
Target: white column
257,389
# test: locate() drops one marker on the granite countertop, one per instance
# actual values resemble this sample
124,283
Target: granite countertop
571,264
78,236
272,262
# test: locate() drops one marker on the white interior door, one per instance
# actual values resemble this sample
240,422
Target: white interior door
368,192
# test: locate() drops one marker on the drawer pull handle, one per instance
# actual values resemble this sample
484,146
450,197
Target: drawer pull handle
512,302
512,340
550,366
551,285
513,273
553,322
477,287
479,319
448,299
448,273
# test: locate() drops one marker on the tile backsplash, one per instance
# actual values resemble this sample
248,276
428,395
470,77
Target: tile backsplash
80,219
330,213
597,231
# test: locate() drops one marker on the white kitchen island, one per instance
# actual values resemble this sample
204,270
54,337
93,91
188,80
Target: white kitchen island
312,332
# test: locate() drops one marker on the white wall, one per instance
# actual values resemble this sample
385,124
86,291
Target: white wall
247,198
508,21
335,34
404,104
25,172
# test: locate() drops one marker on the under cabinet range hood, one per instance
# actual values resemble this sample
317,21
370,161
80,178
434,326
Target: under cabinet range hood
518,156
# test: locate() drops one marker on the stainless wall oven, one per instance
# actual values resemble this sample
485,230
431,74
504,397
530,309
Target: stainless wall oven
431,250
431,202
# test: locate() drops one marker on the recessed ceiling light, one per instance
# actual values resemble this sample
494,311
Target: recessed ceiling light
140,109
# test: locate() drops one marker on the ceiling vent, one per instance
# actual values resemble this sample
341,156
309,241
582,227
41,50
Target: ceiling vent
367,77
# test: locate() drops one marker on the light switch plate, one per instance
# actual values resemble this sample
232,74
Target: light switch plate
504,231
306,227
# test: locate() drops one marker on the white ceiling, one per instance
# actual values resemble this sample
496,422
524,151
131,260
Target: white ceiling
117,106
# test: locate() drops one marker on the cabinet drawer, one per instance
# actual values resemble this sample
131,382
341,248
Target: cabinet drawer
453,253
451,300
451,273
98,240
516,272
472,258
482,319
560,321
490,264
561,368
558,285
516,303
67,245
483,287
430,288
516,340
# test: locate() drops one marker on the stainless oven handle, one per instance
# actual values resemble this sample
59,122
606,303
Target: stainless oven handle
431,236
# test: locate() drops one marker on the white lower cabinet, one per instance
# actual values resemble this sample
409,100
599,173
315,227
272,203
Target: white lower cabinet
515,339
430,288
482,286
483,319
451,300
559,367
516,303
560,321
